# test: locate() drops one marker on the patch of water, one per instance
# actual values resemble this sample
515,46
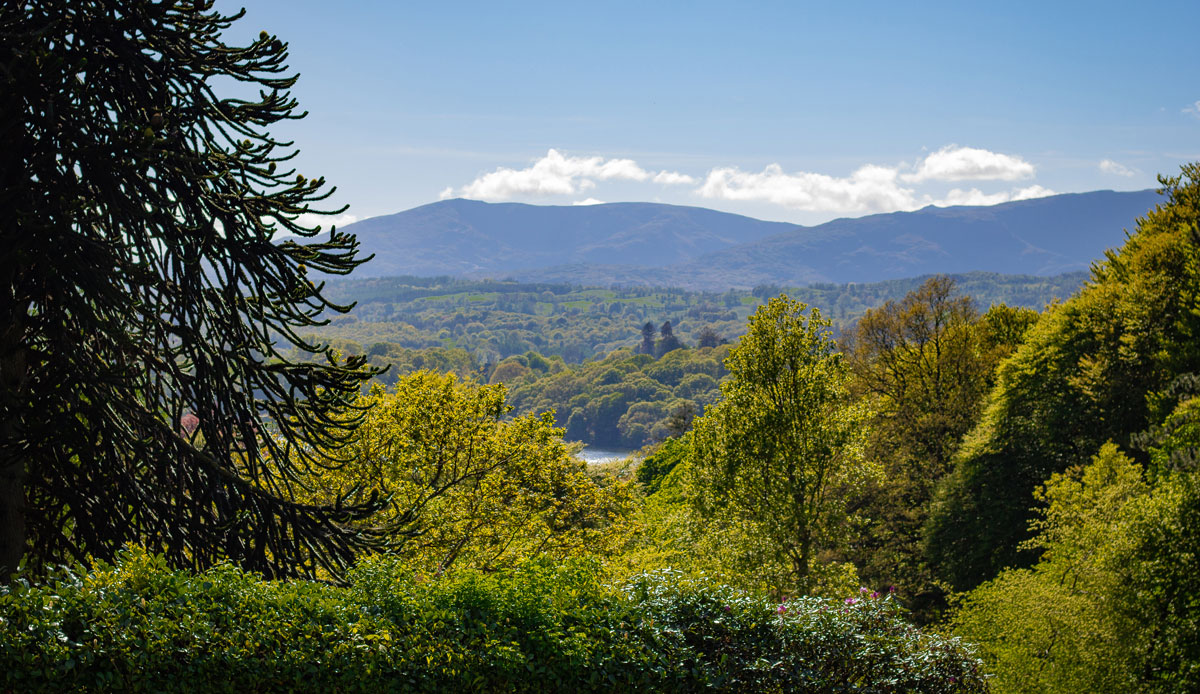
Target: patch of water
593,456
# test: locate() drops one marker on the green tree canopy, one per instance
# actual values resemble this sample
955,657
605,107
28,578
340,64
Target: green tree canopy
926,363
1111,605
1096,368
145,299
468,487
774,454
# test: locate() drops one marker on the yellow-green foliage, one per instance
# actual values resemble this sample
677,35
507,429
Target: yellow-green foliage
1091,370
468,487
624,399
752,496
926,363
1113,605
775,458
1052,628
672,535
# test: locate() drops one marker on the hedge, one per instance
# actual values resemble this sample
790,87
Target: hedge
139,626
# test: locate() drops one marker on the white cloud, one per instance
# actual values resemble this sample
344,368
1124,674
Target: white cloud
672,178
870,188
954,163
553,174
1033,191
975,196
1112,167
1193,109
309,219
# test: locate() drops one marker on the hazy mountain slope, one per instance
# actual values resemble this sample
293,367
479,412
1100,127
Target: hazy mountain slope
668,245
1046,236
466,236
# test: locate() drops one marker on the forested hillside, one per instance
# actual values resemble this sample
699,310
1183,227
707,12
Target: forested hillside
1044,465
601,358
493,320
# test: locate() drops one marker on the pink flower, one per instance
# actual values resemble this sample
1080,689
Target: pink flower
851,601
782,609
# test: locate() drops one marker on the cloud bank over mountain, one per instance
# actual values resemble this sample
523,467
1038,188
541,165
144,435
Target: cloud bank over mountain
871,188
558,174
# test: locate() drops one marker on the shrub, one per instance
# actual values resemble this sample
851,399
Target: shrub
139,626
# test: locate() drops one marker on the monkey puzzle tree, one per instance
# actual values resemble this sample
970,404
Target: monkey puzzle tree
145,303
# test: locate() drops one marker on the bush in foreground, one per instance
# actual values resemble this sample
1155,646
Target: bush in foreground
139,626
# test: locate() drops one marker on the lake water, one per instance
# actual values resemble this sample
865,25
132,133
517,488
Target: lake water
592,456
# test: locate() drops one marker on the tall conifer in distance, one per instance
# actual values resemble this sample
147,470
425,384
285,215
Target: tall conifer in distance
668,342
648,332
147,302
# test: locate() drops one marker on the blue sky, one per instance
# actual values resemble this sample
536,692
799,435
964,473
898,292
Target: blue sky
786,111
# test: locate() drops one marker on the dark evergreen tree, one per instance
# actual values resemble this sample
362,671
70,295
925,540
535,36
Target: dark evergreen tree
146,305
648,332
668,342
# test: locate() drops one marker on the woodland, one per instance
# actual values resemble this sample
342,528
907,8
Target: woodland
218,475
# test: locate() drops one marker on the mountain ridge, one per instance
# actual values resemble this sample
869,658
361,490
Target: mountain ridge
641,243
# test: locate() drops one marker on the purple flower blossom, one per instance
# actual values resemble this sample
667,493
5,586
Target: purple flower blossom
874,594
782,609
851,601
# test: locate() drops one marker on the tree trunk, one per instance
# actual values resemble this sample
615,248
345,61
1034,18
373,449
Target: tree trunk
12,516
14,377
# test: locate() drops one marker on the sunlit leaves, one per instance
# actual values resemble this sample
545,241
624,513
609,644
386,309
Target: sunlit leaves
465,485
775,456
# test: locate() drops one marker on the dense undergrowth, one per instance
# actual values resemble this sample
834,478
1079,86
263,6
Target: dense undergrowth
139,626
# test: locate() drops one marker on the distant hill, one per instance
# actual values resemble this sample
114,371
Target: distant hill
467,237
650,244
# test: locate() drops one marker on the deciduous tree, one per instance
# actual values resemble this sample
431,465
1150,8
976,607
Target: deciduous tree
773,456
1094,368
926,363
466,486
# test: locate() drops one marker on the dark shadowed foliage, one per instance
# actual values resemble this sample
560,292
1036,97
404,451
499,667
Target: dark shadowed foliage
145,298
1099,367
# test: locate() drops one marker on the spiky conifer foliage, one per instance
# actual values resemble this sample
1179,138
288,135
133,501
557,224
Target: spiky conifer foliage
146,301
